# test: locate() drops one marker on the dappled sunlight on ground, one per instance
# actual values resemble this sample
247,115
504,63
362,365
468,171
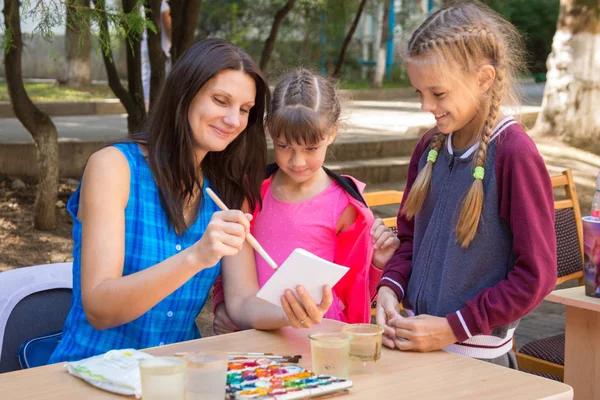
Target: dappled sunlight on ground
20,244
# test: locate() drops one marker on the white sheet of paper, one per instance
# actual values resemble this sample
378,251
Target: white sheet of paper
302,268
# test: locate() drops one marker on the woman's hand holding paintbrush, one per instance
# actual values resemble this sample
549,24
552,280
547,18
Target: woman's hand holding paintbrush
259,249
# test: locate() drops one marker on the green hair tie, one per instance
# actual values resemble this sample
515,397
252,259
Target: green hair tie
432,155
479,173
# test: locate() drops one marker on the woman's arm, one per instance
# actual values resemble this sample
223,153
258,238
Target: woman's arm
109,298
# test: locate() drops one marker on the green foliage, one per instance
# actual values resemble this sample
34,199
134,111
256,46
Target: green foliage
536,19
50,14
248,23
366,84
226,19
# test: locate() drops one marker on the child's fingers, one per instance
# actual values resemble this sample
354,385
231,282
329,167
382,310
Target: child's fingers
297,308
308,305
378,222
388,342
327,299
391,242
404,334
377,232
403,344
382,319
289,313
382,238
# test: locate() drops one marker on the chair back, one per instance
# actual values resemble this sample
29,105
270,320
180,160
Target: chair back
569,230
383,198
33,301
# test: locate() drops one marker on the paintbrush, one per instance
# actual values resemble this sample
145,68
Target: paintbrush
253,242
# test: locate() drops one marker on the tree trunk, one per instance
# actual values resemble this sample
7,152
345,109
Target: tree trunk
184,17
270,42
155,51
381,54
304,47
78,47
38,124
133,98
348,38
572,92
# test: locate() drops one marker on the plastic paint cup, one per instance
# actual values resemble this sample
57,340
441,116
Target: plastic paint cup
163,378
330,353
365,346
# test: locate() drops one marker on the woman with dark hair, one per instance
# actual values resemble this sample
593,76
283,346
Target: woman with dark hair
148,242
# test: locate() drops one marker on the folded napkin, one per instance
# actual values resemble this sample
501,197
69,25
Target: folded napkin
116,371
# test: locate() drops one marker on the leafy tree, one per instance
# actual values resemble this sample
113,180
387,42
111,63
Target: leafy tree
39,125
48,15
272,38
184,15
536,20
132,27
78,45
348,38
377,80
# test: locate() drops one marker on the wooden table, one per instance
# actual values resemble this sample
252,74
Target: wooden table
436,375
582,341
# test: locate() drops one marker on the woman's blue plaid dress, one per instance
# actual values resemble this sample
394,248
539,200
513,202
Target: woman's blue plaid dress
149,239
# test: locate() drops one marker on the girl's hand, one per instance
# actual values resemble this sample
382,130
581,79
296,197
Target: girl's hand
305,313
222,324
423,333
386,313
224,236
385,243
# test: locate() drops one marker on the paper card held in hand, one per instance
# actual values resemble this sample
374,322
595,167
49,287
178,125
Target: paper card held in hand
302,268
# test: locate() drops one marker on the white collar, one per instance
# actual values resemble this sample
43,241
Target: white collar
498,129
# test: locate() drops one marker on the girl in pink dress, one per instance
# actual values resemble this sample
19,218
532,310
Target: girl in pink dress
304,205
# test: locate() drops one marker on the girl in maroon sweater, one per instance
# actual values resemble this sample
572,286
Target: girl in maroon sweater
478,249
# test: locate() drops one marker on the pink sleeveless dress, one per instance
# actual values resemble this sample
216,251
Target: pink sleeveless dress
280,227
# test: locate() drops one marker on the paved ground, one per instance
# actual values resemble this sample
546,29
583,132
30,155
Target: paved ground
360,119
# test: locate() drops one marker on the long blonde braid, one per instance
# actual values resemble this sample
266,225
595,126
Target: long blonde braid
420,187
472,207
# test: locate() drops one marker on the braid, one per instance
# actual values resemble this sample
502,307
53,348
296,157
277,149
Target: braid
421,185
304,108
429,22
470,213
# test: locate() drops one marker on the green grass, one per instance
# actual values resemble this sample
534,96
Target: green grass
42,92
363,85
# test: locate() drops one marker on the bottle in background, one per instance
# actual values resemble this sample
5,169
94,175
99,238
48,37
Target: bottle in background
596,202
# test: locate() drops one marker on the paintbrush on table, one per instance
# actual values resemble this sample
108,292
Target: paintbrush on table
270,356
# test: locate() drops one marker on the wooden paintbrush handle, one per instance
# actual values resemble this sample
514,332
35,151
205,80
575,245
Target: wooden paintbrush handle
253,242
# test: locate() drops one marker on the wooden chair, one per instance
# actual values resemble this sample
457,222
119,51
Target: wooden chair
546,357
383,198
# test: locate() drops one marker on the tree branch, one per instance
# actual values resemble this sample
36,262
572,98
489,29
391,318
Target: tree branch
348,39
270,42
111,70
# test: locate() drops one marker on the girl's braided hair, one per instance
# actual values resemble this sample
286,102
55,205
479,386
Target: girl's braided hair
304,108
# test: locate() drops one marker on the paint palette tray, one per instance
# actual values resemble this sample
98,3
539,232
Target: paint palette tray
260,379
